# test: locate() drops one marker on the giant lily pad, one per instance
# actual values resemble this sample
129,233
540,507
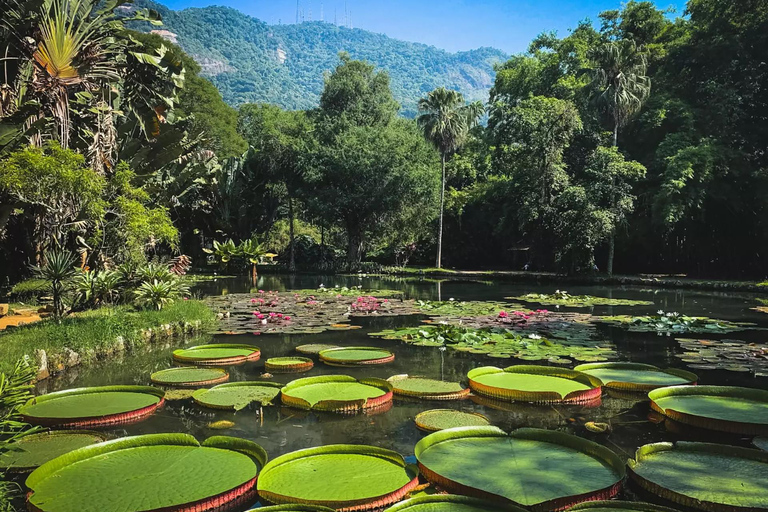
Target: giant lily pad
346,477
92,407
189,377
34,450
761,443
337,393
636,376
431,389
356,356
441,419
288,364
619,506
563,298
705,476
237,395
540,384
723,408
223,354
292,507
538,469
448,503
149,473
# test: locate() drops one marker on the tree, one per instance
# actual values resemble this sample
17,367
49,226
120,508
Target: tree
620,89
374,180
283,140
446,120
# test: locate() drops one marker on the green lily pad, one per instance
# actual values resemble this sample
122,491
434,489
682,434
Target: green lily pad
636,376
338,476
724,408
538,469
353,356
237,395
448,503
729,355
294,507
619,506
217,354
34,450
705,476
288,364
420,387
96,406
441,419
150,472
761,443
528,383
314,348
189,377
565,299
336,393
674,323
461,308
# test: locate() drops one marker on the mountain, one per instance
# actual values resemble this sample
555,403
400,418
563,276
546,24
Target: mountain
251,61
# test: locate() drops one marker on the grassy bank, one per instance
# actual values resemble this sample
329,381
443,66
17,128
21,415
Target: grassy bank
98,333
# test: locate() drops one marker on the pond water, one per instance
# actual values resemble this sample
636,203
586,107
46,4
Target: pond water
280,430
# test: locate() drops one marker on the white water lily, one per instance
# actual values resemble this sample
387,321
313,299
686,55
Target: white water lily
660,312
534,336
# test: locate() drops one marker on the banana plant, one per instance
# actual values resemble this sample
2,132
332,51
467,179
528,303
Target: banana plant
255,253
223,252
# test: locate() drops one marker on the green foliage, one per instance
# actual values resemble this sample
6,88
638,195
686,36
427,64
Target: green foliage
563,298
93,333
158,294
58,268
674,323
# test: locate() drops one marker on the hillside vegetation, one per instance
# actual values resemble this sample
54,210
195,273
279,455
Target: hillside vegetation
252,62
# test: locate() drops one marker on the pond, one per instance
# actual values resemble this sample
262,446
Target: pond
281,430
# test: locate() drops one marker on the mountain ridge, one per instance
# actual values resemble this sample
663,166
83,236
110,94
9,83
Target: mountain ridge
252,61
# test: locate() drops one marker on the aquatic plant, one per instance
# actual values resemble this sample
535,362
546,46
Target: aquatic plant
237,395
442,419
462,308
189,377
428,389
219,354
32,451
730,355
537,384
565,299
668,323
500,343
337,393
356,356
635,376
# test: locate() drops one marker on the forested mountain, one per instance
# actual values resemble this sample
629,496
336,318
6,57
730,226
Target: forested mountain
251,61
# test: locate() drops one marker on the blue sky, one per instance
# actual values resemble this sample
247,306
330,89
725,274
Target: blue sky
450,24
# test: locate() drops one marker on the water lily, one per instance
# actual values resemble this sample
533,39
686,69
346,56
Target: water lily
286,318
503,314
534,336
660,312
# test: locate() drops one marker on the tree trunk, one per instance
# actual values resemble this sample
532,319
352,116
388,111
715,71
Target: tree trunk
355,247
439,260
292,263
611,250
612,235
254,274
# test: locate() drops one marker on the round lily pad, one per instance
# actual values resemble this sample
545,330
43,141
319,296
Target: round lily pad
293,507
347,477
761,443
150,473
529,383
706,476
92,407
189,377
337,393
540,470
448,503
313,348
636,376
723,408
237,395
620,506
431,389
34,450
288,364
441,419
355,356
222,354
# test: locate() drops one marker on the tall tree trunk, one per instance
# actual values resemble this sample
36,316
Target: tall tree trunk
355,246
612,235
439,261
292,264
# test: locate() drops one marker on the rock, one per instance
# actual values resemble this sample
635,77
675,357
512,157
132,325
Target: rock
4,308
46,309
71,358
119,344
41,361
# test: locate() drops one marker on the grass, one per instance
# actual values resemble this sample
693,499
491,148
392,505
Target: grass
93,333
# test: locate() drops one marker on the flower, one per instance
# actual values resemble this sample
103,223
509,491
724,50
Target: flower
534,336
660,312
503,314
264,322
261,291
253,301
186,298
286,318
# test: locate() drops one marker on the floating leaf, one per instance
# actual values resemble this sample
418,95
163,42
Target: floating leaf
541,384
33,450
189,377
420,387
221,425
288,364
237,395
441,419
337,393
448,503
577,301
636,376
355,356
313,348
218,354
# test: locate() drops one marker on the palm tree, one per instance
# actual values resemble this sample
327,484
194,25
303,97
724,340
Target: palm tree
621,86
446,120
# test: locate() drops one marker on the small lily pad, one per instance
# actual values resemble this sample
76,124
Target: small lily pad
223,354
441,419
635,376
189,377
420,387
354,356
288,364
314,348
237,395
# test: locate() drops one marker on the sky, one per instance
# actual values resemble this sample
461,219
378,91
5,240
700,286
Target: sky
454,25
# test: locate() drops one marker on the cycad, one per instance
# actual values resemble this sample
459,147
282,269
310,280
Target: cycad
58,268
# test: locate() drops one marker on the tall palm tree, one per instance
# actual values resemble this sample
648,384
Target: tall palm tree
621,86
446,120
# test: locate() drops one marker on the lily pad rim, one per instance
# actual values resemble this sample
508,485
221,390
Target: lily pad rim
619,365
409,504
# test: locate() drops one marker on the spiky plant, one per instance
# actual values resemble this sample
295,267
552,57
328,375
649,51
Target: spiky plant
58,268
